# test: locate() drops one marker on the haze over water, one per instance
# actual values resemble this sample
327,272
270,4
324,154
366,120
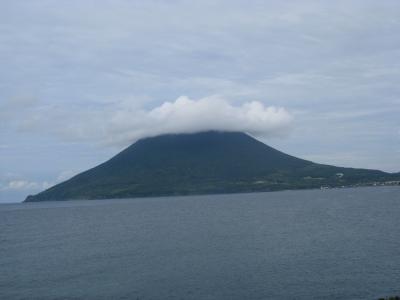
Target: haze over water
329,244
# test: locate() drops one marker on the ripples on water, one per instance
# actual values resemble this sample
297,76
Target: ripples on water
330,244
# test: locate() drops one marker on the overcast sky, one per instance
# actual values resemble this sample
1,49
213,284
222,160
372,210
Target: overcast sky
80,80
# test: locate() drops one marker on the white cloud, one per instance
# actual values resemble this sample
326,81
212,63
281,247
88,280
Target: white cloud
186,115
15,183
25,185
123,123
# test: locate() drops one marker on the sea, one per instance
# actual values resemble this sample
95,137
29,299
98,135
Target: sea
311,244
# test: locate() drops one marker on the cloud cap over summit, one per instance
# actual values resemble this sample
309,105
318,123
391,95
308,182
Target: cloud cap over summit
123,123
185,115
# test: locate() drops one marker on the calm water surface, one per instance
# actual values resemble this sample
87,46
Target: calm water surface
330,244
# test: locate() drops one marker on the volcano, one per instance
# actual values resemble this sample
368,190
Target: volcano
203,163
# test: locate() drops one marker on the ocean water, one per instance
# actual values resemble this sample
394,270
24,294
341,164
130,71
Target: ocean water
329,244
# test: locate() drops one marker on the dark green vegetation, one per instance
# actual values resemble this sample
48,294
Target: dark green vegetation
391,298
204,163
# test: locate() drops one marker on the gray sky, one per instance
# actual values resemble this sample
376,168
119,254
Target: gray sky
80,80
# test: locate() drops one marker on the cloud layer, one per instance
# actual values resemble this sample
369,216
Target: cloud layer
123,122
215,113
24,185
185,115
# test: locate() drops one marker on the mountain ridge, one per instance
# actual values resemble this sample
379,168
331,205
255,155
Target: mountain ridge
203,163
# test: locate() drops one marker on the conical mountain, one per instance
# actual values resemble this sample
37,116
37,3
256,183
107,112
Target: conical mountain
202,163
